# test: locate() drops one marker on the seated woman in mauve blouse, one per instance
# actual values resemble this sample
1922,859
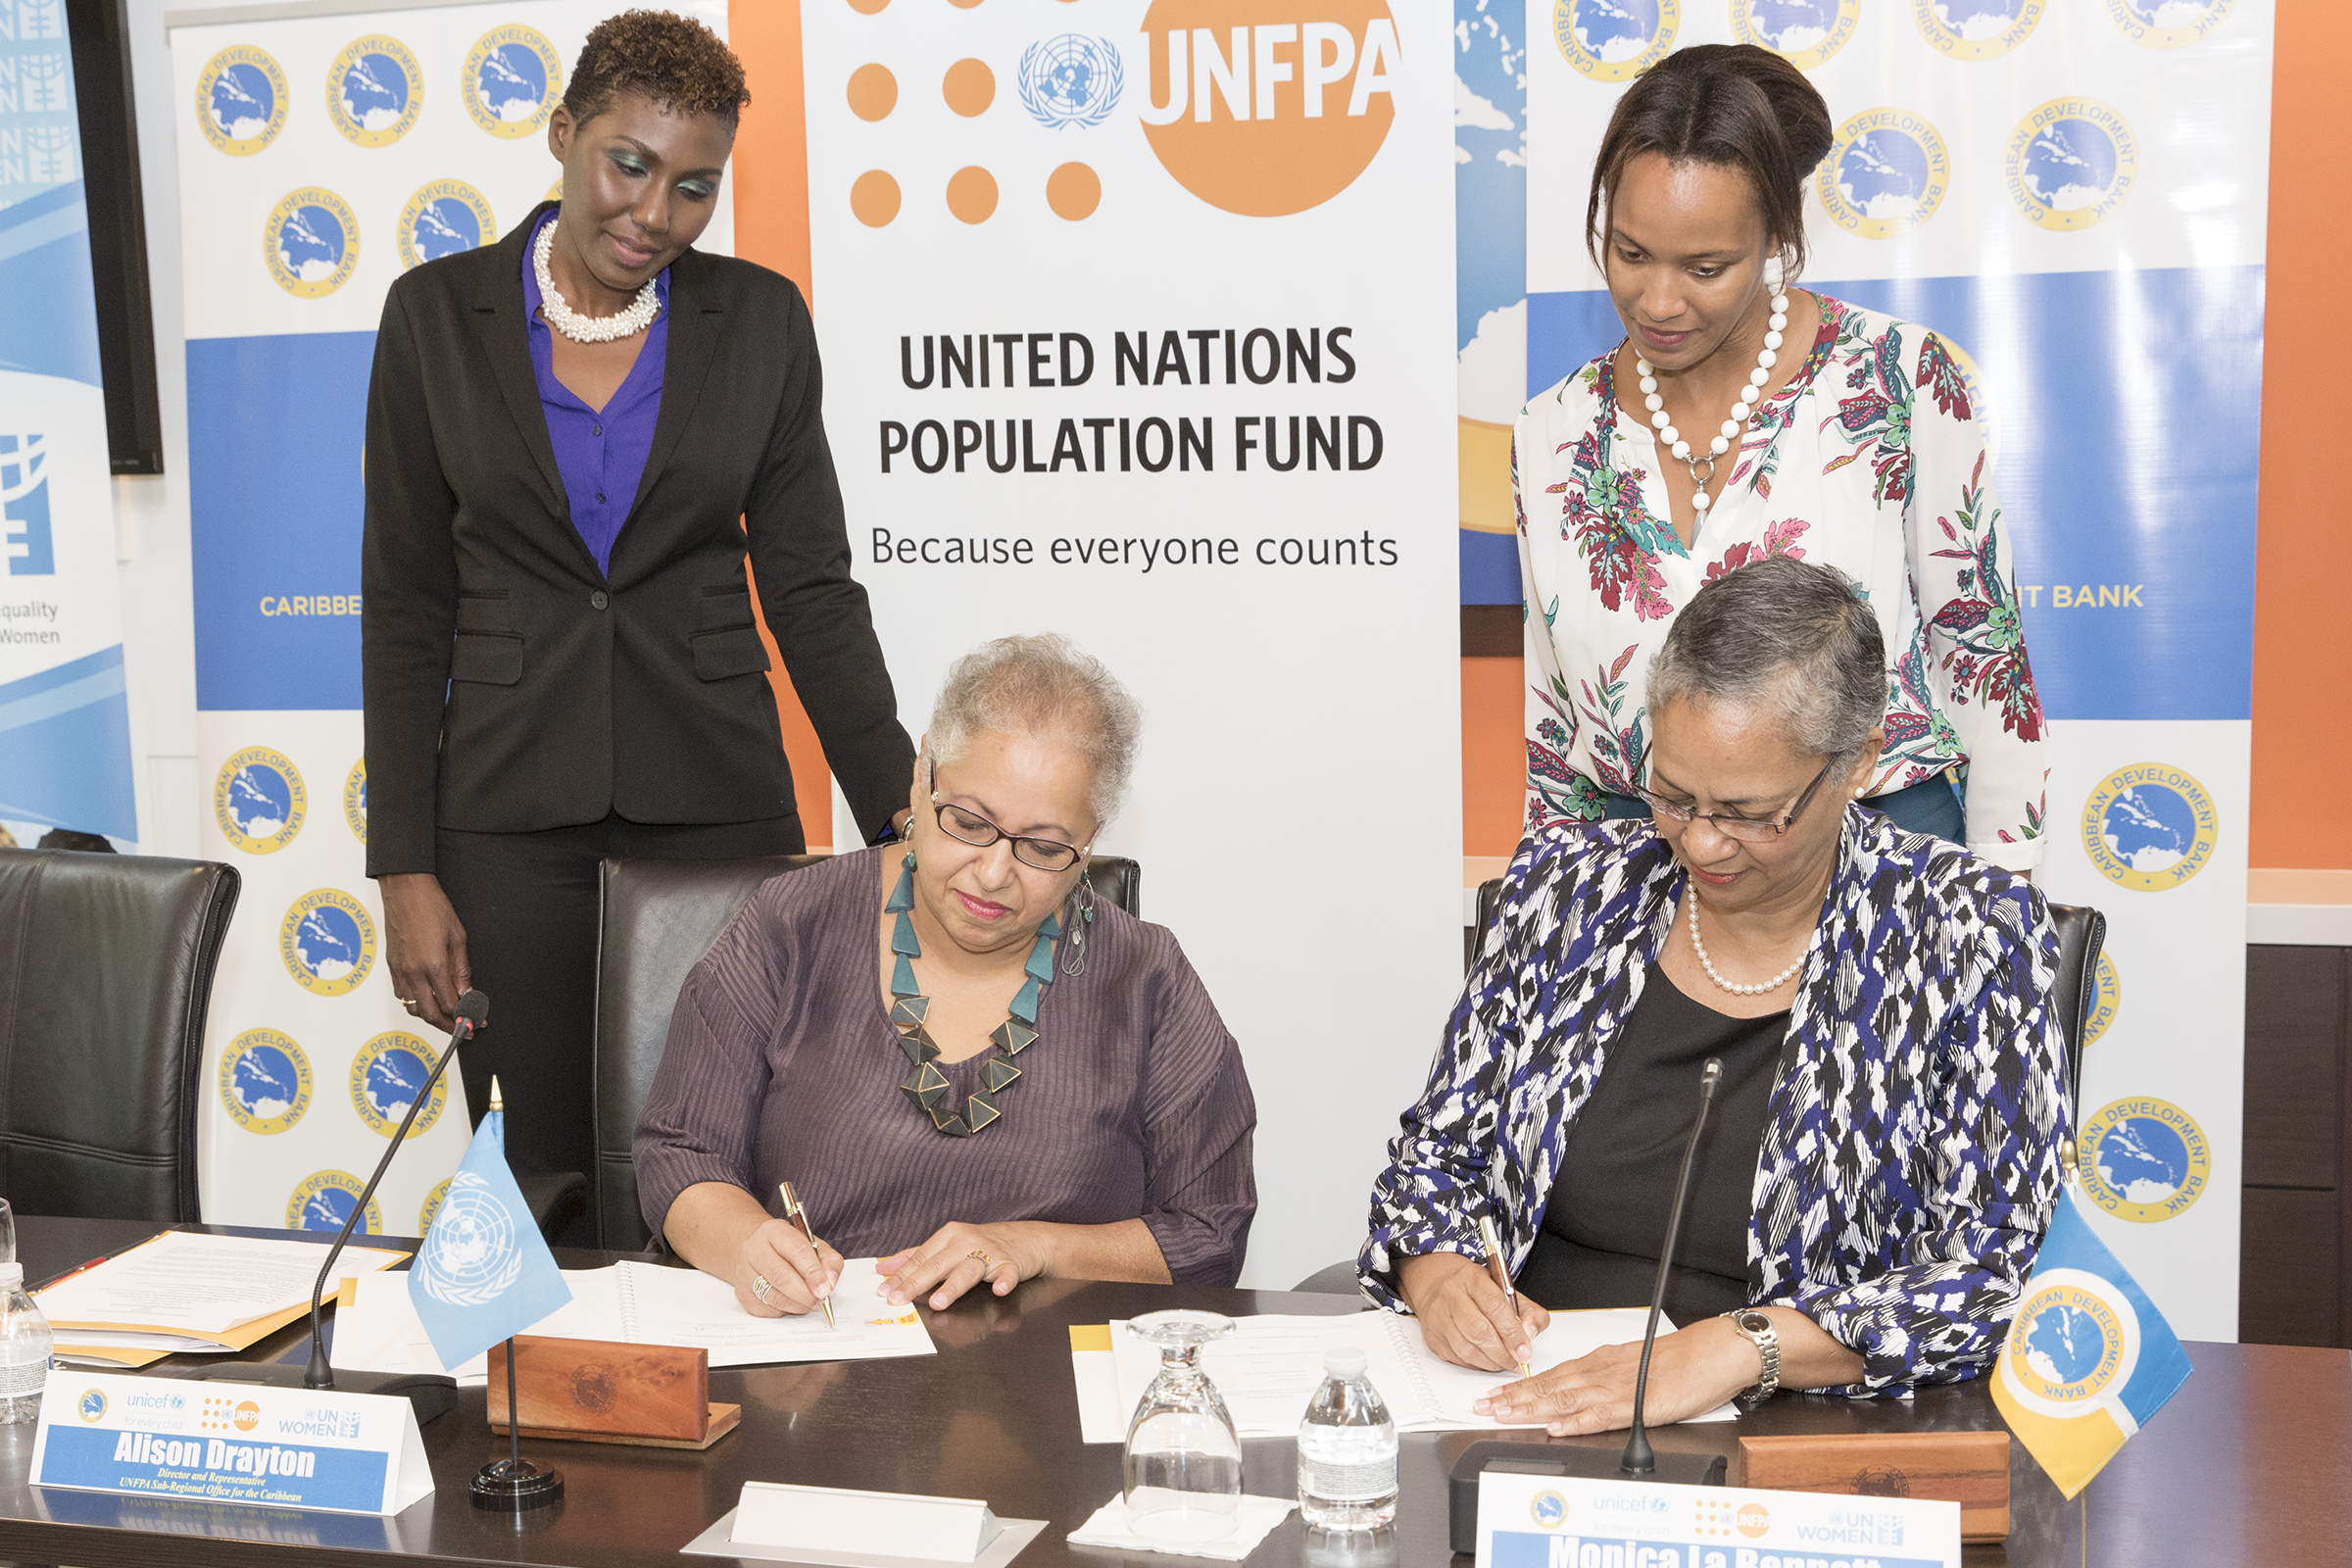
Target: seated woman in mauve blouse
966,1064
1883,1154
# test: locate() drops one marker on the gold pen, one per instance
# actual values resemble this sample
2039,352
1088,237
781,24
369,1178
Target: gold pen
1503,1277
799,1215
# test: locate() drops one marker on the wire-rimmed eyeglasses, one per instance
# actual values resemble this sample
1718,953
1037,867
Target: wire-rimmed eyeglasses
1747,829
967,826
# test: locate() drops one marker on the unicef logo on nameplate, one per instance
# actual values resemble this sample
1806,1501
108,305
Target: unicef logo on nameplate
1071,81
1804,33
265,1081
472,1254
324,1199
375,90
1976,29
312,242
386,1077
1614,40
2143,1159
2071,163
259,801
2150,828
510,82
328,942
2073,1343
1886,174
241,100
2169,24
445,217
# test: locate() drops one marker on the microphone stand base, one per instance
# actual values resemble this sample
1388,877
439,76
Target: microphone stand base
1564,1459
516,1486
432,1394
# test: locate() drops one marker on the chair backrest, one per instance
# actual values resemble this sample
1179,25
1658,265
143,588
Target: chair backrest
658,919
106,976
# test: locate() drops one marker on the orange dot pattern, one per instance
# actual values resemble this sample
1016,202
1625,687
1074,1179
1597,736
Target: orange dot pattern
874,198
1073,191
866,8
972,194
970,88
873,93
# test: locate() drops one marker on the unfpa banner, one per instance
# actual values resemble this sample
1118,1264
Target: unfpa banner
1135,319
2073,198
320,157
65,725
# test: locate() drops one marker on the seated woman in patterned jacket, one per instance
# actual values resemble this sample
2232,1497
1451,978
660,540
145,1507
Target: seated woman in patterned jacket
1883,1154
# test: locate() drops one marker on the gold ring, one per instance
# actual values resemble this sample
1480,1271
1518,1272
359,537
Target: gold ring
986,1262
406,1002
760,1288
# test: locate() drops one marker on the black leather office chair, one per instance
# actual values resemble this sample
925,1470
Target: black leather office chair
106,975
658,918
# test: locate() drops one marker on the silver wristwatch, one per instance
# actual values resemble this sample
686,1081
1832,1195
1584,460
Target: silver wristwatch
1759,1332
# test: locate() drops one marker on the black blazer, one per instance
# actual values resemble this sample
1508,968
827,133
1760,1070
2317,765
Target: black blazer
510,685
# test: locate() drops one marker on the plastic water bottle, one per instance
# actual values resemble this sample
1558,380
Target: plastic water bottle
25,1345
1347,1450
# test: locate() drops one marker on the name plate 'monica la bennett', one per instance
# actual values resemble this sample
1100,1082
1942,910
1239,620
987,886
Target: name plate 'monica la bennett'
229,1442
1560,1522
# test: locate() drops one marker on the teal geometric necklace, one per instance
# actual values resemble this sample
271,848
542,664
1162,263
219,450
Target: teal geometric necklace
926,1085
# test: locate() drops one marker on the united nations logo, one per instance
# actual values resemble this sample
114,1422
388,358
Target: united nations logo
510,80
1886,174
1071,81
1548,1509
375,90
1804,33
265,1081
2143,1159
1614,40
443,219
354,800
312,241
241,100
92,1406
259,801
2150,828
474,1251
328,942
432,1207
2073,1343
2071,163
386,1077
324,1199
1976,29
2169,24
2107,999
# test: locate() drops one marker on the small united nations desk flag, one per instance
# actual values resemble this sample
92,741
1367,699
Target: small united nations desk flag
2088,1360
484,1272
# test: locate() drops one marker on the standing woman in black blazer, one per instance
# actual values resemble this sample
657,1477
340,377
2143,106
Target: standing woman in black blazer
574,438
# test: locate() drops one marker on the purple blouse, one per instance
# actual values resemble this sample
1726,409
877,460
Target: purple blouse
600,453
782,1064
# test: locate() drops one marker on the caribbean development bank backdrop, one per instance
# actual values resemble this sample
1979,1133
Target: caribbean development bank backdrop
2075,192
320,158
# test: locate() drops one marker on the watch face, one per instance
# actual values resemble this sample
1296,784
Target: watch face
1753,1322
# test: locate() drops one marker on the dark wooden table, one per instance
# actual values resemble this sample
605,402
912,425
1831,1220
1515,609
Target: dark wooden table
2250,1464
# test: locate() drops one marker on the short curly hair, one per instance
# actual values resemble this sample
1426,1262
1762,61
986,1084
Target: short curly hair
675,61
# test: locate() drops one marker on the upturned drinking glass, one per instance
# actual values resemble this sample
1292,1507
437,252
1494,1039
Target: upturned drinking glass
1183,1459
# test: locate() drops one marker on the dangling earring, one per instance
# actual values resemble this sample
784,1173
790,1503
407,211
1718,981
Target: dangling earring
1082,916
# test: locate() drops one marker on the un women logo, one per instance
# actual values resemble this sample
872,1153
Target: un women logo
1803,32
386,1078
2071,163
265,1081
328,942
375,90
1886,174
2143,1159
324,1201
259,801
1071,81
312,242
445,217
1976,29
2169,24
2073,1343
241,100
510,82
1614,40
474,1254
2150,828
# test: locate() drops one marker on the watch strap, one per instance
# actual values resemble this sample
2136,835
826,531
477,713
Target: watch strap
1757,1329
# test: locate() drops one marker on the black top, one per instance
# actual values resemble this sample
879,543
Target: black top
1606,1218
510,685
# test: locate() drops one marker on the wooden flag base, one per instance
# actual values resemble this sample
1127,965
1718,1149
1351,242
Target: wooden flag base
591,1390
1969,1468
723,1419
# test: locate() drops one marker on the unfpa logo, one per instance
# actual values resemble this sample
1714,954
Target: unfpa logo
25,540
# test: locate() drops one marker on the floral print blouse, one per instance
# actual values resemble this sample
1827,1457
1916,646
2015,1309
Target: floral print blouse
1870,460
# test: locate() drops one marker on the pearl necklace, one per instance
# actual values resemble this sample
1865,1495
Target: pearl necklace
1708,965
1672,439
589,328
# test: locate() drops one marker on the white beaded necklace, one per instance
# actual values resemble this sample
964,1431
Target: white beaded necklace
589,328
1708,965
1672,439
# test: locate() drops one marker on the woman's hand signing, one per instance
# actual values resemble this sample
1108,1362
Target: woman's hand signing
1464,1316
1692,1371
424,947
797,1275
959,1256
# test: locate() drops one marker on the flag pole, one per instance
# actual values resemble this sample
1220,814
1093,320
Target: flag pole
513,1485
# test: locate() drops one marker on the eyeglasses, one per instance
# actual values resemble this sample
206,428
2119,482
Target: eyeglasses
970,827
1747,829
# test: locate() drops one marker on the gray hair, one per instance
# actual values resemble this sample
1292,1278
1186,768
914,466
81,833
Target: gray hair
1043,686
1790,637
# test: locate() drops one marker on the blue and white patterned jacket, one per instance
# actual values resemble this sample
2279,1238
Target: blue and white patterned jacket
1910,1159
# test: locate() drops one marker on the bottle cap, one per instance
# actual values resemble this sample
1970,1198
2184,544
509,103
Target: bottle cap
1344,1362
12,1276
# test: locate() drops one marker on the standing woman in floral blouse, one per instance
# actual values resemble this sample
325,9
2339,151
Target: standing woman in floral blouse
1744,418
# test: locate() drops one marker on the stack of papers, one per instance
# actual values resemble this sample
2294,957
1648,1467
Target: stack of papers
185,1292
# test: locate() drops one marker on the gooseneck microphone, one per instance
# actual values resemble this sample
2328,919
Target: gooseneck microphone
1639,1460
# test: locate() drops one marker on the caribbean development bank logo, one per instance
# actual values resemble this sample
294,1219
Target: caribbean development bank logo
241,100
265,1081
446,216
312,241
1976,29
2071,163
2072,1346
1886,174
2169,24
92,1406
1548,1510
259,801
2107,1000
1614,40
387,1076
375,90
2150,828
510,80
328,942
354,800
2143,1159
323,1199
1804,33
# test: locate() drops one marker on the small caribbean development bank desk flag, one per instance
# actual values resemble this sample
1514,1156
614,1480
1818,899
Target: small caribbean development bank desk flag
2088,1360
484,1273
